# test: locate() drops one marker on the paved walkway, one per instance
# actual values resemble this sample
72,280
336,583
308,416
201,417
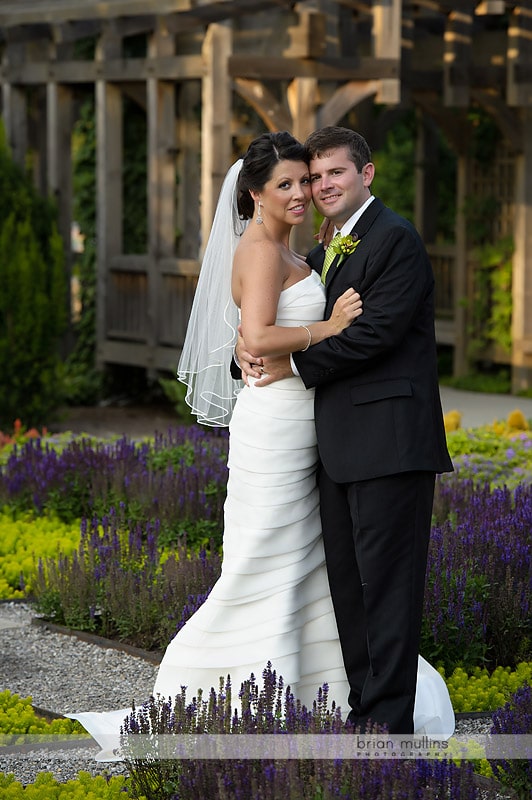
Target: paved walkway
139,421
482,409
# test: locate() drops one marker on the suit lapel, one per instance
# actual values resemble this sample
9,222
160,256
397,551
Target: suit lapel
361,227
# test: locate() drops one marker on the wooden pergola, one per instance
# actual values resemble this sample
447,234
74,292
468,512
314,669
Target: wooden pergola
298,65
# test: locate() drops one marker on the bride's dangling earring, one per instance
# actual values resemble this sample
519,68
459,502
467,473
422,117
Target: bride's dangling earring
259,219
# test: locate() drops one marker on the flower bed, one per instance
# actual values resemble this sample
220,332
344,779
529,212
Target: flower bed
149,538
134,529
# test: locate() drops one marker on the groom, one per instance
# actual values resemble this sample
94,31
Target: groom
380,430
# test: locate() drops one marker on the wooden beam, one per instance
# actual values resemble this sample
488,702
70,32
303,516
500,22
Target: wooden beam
307,38
21,12
273,113
519,75
458,45
26,33
139,354
491,7
14,13
343,100
170,68
482,78
279,68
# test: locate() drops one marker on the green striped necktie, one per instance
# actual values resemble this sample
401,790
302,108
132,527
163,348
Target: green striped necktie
329,257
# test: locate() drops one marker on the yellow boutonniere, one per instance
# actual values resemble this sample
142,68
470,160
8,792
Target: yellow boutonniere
345,245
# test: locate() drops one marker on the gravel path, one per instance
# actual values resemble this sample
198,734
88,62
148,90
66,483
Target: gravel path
63,674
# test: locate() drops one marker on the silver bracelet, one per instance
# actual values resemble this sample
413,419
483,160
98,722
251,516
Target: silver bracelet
309,338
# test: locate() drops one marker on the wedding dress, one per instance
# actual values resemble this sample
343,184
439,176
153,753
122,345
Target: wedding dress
272,600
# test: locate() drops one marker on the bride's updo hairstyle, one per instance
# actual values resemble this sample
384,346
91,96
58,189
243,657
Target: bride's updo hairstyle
259,162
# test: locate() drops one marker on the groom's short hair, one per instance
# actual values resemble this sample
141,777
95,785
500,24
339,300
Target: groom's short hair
323,140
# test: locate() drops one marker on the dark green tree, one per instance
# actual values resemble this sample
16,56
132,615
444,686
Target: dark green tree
83,382
33,312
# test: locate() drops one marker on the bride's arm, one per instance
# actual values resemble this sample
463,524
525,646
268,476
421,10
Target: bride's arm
257,286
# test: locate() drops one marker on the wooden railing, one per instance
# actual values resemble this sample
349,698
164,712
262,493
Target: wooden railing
147,306
443,260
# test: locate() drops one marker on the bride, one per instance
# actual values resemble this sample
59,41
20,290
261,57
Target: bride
272,601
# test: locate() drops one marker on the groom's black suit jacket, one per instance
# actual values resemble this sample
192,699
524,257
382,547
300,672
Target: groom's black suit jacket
378,409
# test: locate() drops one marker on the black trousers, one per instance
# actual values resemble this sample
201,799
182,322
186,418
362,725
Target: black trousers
376,535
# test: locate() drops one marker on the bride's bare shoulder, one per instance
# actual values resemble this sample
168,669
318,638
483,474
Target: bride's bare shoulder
258,250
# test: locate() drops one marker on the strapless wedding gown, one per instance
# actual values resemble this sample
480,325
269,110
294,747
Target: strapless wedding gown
272,600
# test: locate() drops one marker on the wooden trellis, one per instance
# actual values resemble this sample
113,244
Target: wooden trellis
298,65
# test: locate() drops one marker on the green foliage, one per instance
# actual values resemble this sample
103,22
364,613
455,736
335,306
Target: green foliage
485,691
46,787
514,718
455,643
492,455
122,584
394,168
395,165
480,214
490,382
33,311
175,392
485,135
491,311
17,716
83,383
25,539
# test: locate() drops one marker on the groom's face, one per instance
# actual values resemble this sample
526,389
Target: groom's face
338,188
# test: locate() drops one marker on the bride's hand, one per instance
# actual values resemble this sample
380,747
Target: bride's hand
325,233
346,309
249,364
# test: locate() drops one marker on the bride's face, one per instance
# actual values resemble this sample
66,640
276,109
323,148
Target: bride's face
286,196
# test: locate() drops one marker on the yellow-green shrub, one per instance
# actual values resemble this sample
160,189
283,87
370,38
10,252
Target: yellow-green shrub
47,788
17,716
482,691
23,541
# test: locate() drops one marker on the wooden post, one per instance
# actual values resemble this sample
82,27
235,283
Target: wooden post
59,166
216,121
14,107
188,169
161,182
425,172
109,204
522,265
387,44
460,359
302,99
